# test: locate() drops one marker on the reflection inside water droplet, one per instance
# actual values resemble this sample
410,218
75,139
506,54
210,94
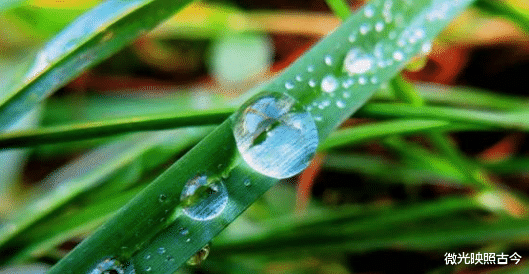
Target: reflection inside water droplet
113,266
275,135
204,201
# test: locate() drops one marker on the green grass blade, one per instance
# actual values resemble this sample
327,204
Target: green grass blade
154,243
91,38
359,134
516,120
77,132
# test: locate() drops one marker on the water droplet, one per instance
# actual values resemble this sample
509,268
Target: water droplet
247,183
310,68
364,28
170,258
299,78
426,48
184,231
293,143
188,240
357,62
362,80
346,95
329,84
199,257
317,118
289,85
312,83
148,269
374,80
379,26
340,104
347,83
162,198
328,60
352,38
113,266
205,201
398,55
147,257
368,11
161,250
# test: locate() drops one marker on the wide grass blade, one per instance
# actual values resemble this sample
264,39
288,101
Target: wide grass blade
165,235
91,38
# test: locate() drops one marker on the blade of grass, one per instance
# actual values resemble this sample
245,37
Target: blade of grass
217,156
77,132
91,38
513,120
507,10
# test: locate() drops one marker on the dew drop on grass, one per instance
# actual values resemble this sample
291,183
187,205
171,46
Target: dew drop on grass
289,85
329,84
312,83
199,257
247,183
398,56
362,80
162,198
379,26
328,60
369,11
113,266
184,231
275,135
204,201
340,104
364,28
357,62
161,250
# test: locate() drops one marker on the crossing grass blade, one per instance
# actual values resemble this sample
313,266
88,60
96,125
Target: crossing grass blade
91,38
154,242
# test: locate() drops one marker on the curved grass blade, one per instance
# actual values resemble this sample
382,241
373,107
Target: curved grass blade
92,37
77,132
164,236
92,170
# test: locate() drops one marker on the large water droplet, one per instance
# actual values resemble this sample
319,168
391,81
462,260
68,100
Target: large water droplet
357,62
113,266
329,84
275,135
199,257
205,201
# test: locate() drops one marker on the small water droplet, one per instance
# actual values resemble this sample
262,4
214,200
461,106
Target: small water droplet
317,118
329,84
398,56
161,250
310,68
312,83
347,83
170,258
148,269
426,47
184,231
357,62
162,198
364,28
188,240
352,38
346,95
113,266
247,183
205,201
374,80
328,60
289,85
379,26
299,78
199,257
369,11
362,80
293,144
340,104
147,257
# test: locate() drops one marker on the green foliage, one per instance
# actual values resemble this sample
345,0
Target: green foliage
144,205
